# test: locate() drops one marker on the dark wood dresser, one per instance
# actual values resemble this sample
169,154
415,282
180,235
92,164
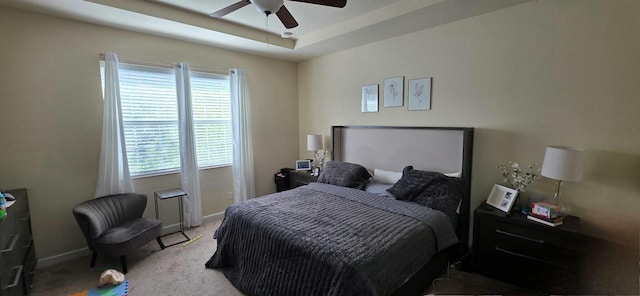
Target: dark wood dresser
18,257
556,260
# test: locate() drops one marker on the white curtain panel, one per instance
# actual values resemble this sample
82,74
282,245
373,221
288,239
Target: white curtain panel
113,174
243,177
188,159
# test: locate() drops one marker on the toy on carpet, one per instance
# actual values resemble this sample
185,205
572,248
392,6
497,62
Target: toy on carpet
112,277
120,290
111,283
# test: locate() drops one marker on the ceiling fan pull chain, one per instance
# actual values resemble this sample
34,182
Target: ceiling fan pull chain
266,30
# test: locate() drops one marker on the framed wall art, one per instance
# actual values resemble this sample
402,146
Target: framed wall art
419,94
502,198
370,98
393,92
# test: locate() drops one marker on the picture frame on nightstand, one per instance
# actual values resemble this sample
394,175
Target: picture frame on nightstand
303,165
502,198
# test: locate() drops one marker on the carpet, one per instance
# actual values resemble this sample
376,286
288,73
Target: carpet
176,270
459,282
179,270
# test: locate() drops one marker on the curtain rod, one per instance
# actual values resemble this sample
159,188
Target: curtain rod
168,65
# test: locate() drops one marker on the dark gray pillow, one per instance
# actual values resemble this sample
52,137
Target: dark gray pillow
344,174
412,183
430,189
443,194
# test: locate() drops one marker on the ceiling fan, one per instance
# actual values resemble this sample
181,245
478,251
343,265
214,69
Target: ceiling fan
270,6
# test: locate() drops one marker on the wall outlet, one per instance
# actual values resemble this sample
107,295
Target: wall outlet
229,195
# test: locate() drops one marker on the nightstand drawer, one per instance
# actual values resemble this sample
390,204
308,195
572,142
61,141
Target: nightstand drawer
555,260
525,253
504,263
545,248
524,257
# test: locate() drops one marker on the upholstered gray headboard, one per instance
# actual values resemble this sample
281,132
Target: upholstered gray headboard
439,149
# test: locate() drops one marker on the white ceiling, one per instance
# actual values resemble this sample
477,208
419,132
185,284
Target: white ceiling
322,29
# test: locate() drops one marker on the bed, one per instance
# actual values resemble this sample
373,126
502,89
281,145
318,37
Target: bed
338,237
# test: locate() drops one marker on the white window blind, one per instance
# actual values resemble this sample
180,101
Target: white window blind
150,118
212,119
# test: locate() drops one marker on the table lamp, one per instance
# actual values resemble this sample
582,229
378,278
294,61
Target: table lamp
562,164
314,143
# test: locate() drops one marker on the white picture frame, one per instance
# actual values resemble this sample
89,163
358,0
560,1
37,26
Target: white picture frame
303,165
370,98
502,198
393,92
419,94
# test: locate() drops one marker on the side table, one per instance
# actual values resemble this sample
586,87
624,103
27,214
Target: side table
300,178
564,259
167,194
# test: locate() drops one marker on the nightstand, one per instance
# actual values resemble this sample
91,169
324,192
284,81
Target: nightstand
556,260
300,178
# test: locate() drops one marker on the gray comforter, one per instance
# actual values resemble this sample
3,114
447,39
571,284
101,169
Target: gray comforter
322,239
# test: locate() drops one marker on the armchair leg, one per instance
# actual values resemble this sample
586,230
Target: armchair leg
160,243
123,261
93,259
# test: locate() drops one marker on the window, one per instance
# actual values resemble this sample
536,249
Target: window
150,118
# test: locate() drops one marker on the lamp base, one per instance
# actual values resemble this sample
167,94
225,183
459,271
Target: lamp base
556,196
563,207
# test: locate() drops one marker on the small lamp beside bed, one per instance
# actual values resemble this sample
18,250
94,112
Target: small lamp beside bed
563,164
314,143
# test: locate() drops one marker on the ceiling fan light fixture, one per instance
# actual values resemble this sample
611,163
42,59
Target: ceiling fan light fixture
268,6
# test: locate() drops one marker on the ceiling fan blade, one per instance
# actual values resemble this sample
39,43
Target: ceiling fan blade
333,3
231,8
286,18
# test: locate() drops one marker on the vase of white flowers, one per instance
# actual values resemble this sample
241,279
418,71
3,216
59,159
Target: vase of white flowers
519,179
320,156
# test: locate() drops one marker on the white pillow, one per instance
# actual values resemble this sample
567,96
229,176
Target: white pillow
454,175
386,177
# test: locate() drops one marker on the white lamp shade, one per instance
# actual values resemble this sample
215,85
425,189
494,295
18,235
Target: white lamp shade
314,142
563,163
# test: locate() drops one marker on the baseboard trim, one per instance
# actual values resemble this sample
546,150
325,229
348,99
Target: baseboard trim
55,259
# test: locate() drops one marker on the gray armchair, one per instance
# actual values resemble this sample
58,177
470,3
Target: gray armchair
113,225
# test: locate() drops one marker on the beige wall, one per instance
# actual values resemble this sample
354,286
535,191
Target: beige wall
537,74
51,103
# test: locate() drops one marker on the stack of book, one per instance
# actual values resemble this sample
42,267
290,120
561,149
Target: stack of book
545,213
546,221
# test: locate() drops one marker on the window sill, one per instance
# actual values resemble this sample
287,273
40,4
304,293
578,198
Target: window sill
164,173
